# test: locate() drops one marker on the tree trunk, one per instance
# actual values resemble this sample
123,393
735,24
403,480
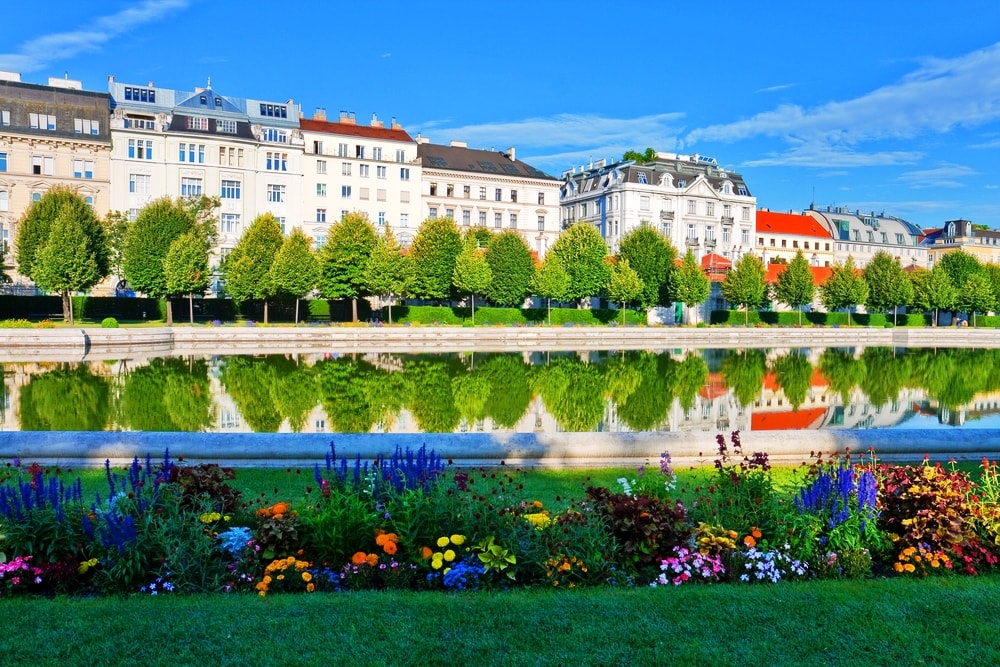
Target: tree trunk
191,307
170,313
549,305
390,309
354,309
67,307
623,313
473,297
265,311
296,310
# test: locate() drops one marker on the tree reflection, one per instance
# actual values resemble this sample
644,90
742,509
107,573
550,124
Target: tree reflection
842,371
573,392
69,398
743,372
168,394
886,373
430,399
510,390
691,376
794,373
250,382
646,408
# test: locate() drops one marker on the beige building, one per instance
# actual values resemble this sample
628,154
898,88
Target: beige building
49,135
369,169
983,244
492,189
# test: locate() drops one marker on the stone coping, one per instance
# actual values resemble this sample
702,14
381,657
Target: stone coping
69,448
80,343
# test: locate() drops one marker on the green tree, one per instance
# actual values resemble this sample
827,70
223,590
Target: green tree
888,286
746,284
582,252
693,286
976,296
147,242
186,267
432,259
472,273
66,263
646,156
512,267
385,271
168,394
551,281
939,291
844,288
115,231
247,269
343,260
624,285
959,266
34,230
795,286
295,269
652,256
480,236
68,398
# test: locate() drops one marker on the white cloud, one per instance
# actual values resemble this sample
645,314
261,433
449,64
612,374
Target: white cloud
39,52
774,89
938,97
946,176
819,154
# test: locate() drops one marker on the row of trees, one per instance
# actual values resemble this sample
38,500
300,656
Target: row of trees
65,248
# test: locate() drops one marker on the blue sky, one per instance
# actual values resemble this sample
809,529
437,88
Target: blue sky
883,106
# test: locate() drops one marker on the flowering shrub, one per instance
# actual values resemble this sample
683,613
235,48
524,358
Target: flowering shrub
686,565
286,574
740,493
277,530
770,565
714,540
20,574
921,560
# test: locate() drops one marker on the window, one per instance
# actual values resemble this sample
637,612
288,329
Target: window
133,213
41,121
380,172
541,220
498,194
190,187
725,236
281,223
320,166
665,228
376,153
321,189
380,194
277,161
83,168
139,149
742,191
341,150
273,110
466,218
363,170
36,196
541,200
275,193
449,213
710,208
772,242
4,202
746,214
404,173
229,223
692,207
230,190
497,220
710,235
321,215
404,219
467,191
400,155
899,237
140,122
320,241
4,117
226,126
41,164
273,135
784,243
381,219
871,236
84,126
745,237
433,189
345,191
857,235
140,95
201,153
345,169
692,232
140,184
359,152
197,123
404,197
513,220
583,210
432,212
642,178
482,218
3,162
183,153
513,195
482,194
643,203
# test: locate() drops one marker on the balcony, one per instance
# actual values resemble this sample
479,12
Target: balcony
692,242
666,215
727,220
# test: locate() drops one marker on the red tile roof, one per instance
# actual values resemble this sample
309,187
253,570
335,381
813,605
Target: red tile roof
789,223
820,273
786,421
353,130
714,261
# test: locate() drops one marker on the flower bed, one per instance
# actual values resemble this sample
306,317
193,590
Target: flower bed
412,522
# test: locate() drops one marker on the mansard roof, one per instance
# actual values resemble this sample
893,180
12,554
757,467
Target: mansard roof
354,130
493,163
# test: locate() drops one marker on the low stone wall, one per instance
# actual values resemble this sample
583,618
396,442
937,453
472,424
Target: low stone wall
77,343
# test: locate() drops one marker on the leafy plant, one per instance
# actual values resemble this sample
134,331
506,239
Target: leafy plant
109,323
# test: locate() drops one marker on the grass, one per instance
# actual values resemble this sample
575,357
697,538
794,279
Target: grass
944,621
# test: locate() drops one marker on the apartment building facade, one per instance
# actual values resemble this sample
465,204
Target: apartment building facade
781,235
861,235
692,201
55,134
368,169
491,189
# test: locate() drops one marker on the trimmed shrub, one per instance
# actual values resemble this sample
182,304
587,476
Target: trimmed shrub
109,323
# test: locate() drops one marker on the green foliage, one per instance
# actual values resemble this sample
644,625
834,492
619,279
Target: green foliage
573,392
109,323
583,252
66,262
888,285
624,285
648,155
652,256
148,240
295,269
385,271
513,316
743,371
511,269
247,269
168,394
693,286
472,273
344,256
432,258
185,267
745,284
795,286
976,296
739,495
206,485
960,266
69,398
36,224
794,374
551,281
844,288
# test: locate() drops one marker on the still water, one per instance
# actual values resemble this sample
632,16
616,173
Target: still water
540,392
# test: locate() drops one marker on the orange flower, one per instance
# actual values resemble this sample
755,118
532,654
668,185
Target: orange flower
755,532
307,577
381,538
389,548
749,541
372,559
310,587
360,558
425,553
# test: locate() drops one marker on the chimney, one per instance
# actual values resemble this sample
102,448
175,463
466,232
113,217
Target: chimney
394,125
510,154
319,114
459,144
347,117
111,78
376,122
9,76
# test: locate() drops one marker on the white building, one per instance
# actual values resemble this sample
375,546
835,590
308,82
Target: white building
189,143
861,235
688,198
492,189
368,169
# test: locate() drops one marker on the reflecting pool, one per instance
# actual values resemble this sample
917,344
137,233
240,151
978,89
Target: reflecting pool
537,392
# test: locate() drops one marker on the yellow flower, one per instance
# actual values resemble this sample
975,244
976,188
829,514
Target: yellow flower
310,588
306,576
86,565
458,540
442,541
437,560
909,567
897,566
449,555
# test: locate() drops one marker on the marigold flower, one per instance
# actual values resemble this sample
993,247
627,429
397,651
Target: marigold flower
381,539
897,566
307,577
449,555
442,541
425,553
310,587
909,567
749,541
359,558
372,560
458,540
389,547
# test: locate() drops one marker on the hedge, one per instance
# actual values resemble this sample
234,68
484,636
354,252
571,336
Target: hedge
814,318
453,315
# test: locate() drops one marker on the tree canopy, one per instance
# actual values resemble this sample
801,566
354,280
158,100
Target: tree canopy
65,263
148,240
795,286
583,252
651,256
344,256
295,269
511,267
693,286
551,281
35,229
432,258
186,267
844,288
746,284
247,269
646,156
888,286
472,273
385,272
624,285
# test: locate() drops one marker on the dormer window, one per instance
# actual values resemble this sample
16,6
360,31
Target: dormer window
218,101
203,100
642,178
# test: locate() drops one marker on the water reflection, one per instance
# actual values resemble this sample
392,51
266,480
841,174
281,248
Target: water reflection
706,390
